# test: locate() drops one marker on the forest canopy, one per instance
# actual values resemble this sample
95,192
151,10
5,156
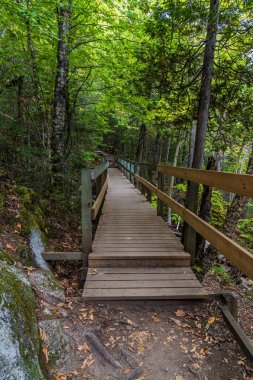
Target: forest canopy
77,75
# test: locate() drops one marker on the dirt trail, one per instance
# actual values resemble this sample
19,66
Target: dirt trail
149,341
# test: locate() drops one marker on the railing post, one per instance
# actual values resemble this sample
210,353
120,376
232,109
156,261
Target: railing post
86,196
149,178
160,187
134,172
189,234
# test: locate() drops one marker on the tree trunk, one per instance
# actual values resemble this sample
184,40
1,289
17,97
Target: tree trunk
60,112
142,144
205,209
192,142
171,183
158,147
202,120
45,130
168,149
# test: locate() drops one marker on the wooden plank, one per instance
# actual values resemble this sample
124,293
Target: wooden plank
51,256
117,253
96,206
156,271
139,249
143,262
98,170
234,183
142,284
139,276
230,249
135,294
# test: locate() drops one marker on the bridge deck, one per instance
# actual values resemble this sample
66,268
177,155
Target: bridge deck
135,255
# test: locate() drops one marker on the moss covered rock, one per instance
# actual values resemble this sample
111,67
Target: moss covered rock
20,348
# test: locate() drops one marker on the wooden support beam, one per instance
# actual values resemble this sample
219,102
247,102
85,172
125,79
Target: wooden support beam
52,256
241,184
238,255
161,188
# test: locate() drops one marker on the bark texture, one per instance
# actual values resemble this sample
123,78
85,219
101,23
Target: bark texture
142,144
60,118
202,120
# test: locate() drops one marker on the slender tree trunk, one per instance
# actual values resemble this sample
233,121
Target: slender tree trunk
192,142
158,147
205,208
60,118
202,120
142,144
45,130
168,149
171,183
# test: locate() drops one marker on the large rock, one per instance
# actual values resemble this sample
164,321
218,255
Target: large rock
37,248
60,348
46,286
20,349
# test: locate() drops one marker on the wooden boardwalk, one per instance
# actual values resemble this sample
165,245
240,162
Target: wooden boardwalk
135,255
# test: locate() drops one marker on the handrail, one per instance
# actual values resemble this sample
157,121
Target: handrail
89,211
241,184
97,204
238,255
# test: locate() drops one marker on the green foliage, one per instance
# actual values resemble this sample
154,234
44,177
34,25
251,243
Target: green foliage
31,210
222,274
219,208
245,230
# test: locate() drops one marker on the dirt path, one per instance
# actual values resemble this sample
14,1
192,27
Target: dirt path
145,341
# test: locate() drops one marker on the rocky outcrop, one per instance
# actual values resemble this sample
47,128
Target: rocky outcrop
20,347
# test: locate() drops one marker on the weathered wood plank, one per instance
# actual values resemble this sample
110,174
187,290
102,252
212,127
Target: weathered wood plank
140,284
146,262
135,294
127,270
139,276
52,256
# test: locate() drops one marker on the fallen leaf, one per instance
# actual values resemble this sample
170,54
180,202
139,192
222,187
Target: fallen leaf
94,272
45,352
129,321
211,320
155,319
83,348
180,313
43,335
10,247
60,376
126,371
19,225
88,361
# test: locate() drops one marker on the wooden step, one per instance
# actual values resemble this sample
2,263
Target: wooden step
142,283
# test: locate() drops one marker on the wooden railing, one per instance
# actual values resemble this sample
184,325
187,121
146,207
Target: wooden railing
91,177
237,183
